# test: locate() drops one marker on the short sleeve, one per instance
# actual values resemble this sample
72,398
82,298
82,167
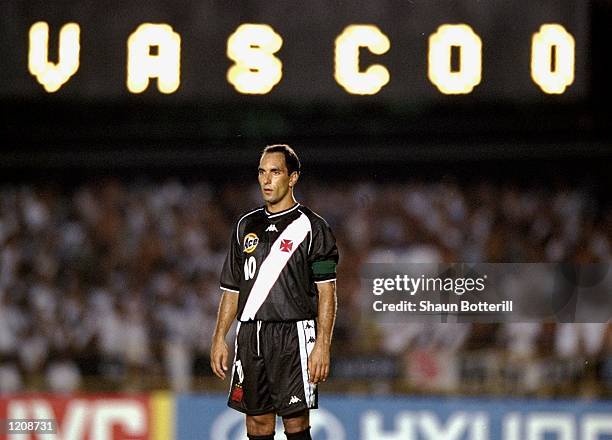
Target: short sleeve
323,253
232,267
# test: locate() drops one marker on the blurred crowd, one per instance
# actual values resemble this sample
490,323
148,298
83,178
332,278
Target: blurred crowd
118,280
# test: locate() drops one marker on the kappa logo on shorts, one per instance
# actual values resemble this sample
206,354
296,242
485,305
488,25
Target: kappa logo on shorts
294,399
251,240
286,245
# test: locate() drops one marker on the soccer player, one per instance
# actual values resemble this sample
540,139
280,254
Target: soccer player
279,281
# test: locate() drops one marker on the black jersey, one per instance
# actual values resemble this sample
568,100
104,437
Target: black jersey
275,260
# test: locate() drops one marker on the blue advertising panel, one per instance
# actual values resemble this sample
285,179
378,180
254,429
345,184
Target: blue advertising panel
404,418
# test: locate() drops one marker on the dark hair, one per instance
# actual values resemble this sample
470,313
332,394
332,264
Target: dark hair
291,159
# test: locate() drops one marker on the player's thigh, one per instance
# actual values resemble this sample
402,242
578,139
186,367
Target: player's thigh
297,422
263,424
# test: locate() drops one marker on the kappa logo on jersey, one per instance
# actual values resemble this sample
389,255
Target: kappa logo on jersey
251,241
272,228
286,245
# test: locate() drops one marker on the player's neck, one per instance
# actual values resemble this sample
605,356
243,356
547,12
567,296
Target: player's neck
281,205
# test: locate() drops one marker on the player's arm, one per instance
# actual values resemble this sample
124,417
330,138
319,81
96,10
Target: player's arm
228,307
319,359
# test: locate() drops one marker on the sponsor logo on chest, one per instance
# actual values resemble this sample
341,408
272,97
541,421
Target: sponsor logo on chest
251,240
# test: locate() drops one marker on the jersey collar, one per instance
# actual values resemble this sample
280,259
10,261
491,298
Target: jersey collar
278,214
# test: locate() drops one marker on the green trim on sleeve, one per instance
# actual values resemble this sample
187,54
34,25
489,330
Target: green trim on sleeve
325,267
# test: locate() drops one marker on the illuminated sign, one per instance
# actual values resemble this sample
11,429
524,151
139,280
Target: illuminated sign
470,59
552,74
347,72
406,53
53,75
256,70
165,65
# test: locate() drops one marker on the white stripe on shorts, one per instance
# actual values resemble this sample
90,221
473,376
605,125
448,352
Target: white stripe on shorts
235,358
304,335
258,329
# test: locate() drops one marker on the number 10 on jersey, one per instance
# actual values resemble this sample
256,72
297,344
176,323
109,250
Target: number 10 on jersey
250,266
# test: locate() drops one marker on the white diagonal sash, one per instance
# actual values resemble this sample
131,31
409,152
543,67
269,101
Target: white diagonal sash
273,265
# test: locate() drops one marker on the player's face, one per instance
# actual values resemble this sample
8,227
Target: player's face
274,179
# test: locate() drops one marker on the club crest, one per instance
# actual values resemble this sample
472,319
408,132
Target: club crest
286,245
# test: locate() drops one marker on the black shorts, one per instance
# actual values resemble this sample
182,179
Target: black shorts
270,371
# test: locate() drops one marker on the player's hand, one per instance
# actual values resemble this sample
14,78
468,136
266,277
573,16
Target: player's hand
318,363
218,358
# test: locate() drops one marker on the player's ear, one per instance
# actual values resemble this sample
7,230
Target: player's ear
294,178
